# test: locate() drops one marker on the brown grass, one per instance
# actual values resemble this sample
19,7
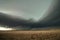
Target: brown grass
30,35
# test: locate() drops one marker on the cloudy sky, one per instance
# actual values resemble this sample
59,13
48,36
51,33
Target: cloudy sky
45,12
25,8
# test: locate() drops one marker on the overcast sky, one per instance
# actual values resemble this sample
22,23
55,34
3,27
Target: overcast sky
46,11
25,8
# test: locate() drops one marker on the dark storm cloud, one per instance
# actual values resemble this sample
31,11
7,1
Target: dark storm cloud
8,20
52,19
17,23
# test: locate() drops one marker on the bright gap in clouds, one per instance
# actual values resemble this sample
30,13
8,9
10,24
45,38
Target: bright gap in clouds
3,28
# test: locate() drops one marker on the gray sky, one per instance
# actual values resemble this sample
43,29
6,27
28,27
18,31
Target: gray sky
25,8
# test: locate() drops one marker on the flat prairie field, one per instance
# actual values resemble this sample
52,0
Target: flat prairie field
30,35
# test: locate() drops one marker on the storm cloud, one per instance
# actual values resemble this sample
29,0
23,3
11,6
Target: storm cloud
24,16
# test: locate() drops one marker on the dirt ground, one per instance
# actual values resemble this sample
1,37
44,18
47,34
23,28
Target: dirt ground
30,35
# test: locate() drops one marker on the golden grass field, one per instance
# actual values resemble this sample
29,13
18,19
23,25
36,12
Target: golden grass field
30,35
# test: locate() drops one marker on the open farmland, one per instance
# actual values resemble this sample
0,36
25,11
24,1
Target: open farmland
30,35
